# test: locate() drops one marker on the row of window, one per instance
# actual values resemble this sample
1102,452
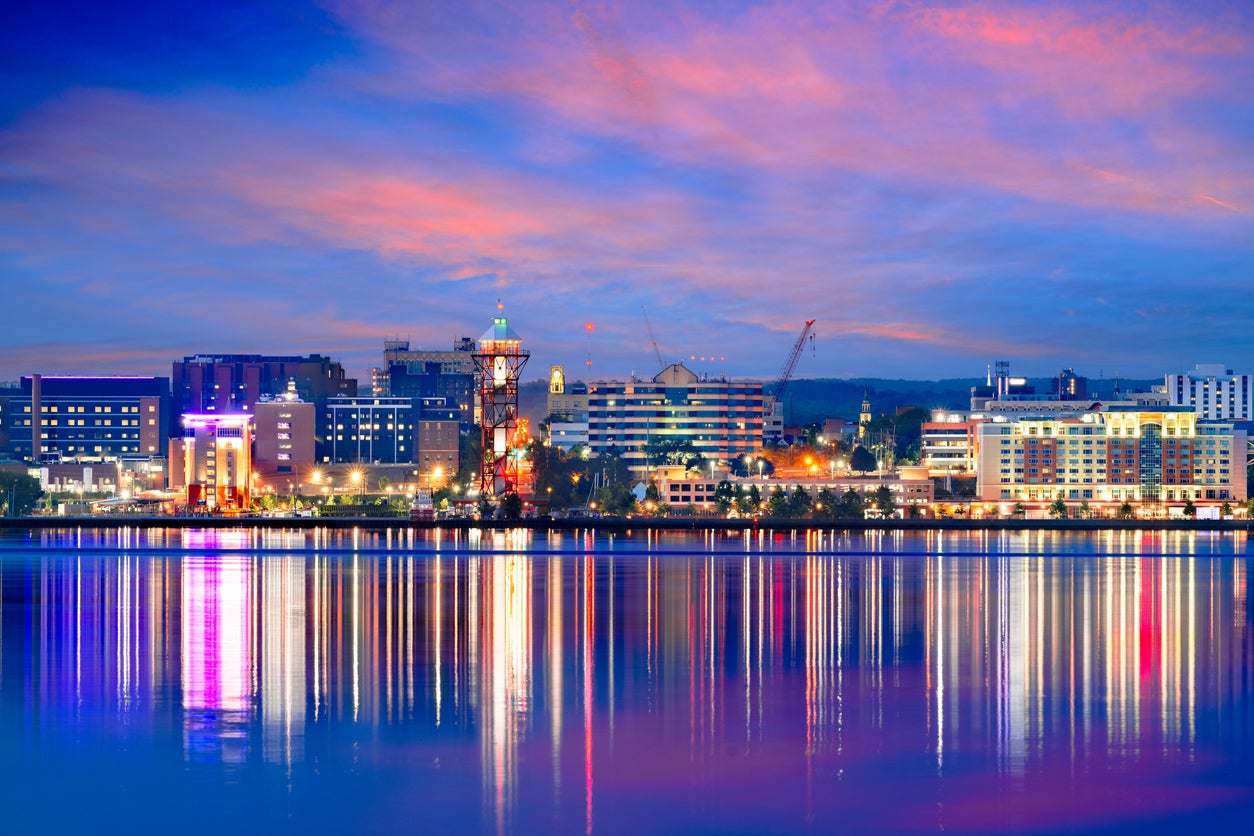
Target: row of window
95,409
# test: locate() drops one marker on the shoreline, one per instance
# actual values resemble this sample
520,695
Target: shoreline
620,524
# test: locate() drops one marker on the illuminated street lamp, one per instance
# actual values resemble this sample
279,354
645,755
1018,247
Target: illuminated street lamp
356,477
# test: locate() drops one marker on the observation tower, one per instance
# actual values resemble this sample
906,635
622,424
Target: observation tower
499,360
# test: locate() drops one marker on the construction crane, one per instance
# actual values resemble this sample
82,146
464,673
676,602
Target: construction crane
661,364
785,374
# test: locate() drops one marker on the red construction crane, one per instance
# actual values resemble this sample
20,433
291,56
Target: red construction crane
785,374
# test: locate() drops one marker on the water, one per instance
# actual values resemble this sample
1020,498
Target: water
513,682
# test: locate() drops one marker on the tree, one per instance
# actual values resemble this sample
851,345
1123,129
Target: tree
661,451
724,495
1085,512
1058,509
777,505
1190,510
1125,510
799,503
750,501
1020,510
852,505
1225,510
19,493
826,504
616,499
884,501
511,506
861,460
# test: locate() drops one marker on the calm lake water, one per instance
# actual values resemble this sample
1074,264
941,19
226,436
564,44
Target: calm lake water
518,682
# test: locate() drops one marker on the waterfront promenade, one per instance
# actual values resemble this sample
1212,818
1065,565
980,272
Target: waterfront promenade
626,524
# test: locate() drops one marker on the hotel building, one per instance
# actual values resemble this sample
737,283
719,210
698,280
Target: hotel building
722,419
1160,457
1214,392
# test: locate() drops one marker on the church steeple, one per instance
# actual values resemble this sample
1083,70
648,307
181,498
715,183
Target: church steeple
864,418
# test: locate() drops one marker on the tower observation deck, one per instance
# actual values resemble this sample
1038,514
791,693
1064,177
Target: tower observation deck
499,360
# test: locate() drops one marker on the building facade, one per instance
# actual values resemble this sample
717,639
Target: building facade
85,419
909,486
1214,392
720,418
567,435
1159,457
284,439
212,462
225,383
439,441
948,442
367,430
567,401
432,373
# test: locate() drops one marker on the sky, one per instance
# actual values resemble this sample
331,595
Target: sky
938,185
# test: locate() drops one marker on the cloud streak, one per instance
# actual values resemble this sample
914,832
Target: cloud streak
913,175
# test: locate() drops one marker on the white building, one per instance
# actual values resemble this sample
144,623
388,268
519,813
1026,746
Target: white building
567,435
1214,392
720,418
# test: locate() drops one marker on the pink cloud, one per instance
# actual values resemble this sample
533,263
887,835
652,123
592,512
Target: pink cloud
964,95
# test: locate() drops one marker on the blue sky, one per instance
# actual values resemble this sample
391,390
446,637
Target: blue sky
938,185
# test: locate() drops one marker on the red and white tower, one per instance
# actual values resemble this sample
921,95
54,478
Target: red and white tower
499,360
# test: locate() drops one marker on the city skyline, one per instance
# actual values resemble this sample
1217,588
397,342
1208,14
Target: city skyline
939,186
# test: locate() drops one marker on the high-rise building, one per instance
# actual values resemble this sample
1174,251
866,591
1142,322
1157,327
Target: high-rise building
1161,456
226,383
1069,386
1213,391
85,419
432,373
721,419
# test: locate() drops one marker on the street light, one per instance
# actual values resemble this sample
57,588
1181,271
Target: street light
356,477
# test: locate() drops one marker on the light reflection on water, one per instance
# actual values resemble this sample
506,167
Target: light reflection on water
509,681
